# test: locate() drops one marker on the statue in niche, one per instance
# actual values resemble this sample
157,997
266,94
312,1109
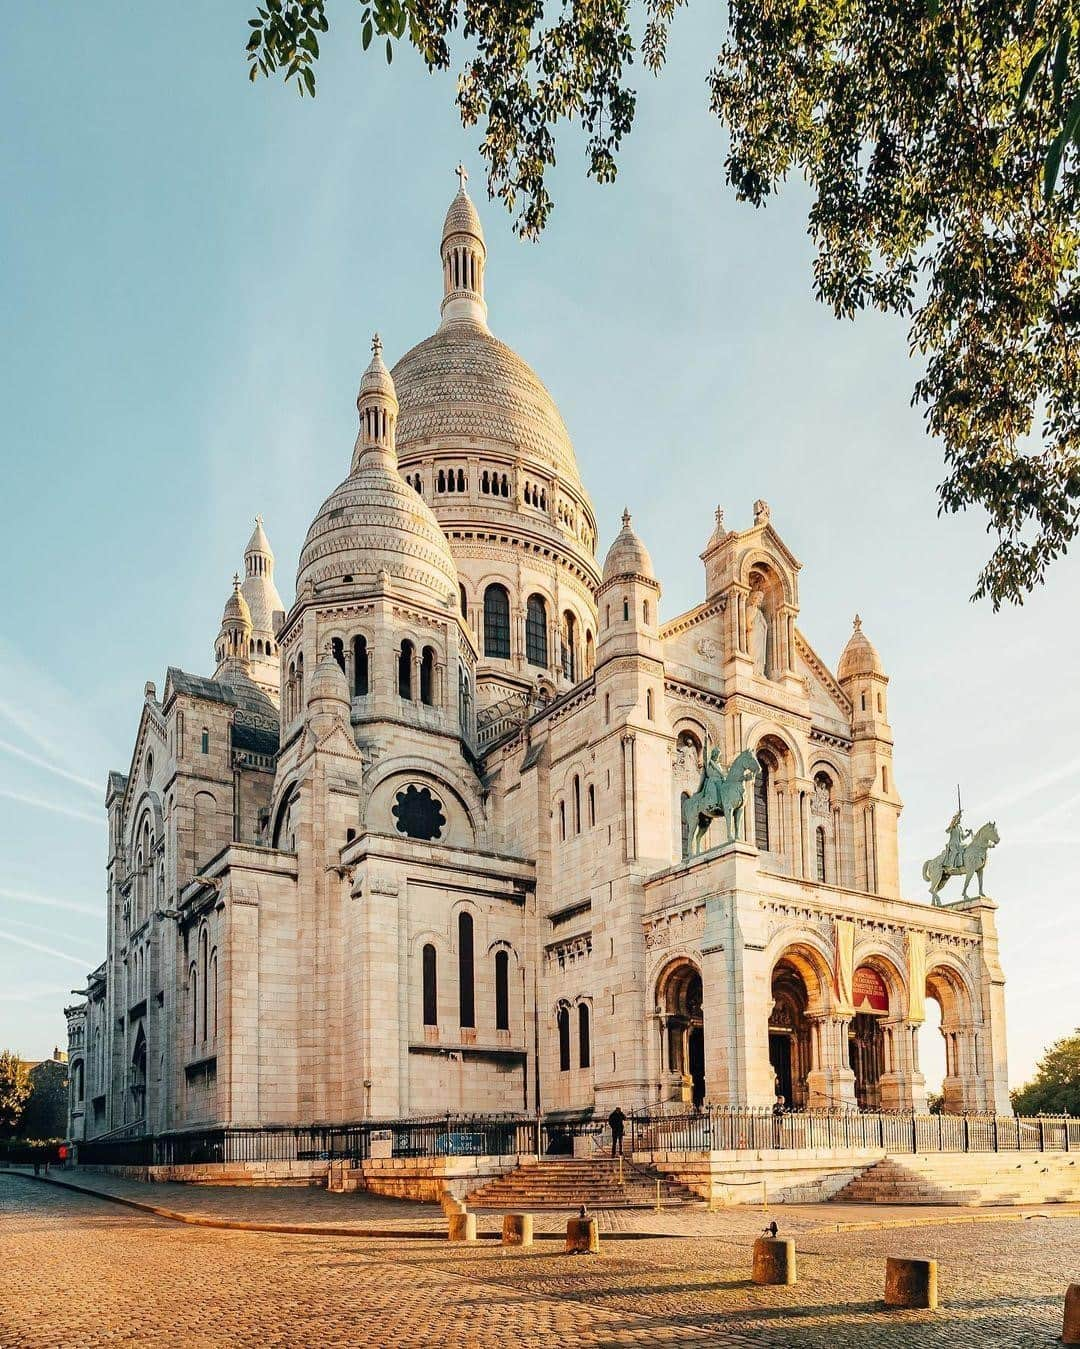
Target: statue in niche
757,632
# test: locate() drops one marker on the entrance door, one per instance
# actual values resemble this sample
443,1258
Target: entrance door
696,1066
780,1058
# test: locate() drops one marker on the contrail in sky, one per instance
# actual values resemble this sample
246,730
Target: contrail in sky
50,901
51,805
81,961
50,767
19,719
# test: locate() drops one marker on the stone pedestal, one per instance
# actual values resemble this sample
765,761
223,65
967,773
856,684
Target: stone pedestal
910,1283
517,1229
774,1261
462,1226
582,1236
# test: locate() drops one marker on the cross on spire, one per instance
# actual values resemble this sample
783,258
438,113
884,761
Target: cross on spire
376,345
463,176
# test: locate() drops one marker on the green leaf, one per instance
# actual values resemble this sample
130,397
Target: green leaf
1071,127
365,36
308,76
1052,165
389,52
1032,70
1061,60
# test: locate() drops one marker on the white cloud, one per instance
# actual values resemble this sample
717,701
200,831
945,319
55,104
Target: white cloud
8,748
81,961
38,803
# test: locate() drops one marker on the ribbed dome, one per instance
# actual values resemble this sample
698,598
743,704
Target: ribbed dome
464,386
374,522
462,218
860,656
328,682
258,588
236,608
627,555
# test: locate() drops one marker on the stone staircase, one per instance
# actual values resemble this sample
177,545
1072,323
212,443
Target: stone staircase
968,1178
568,1182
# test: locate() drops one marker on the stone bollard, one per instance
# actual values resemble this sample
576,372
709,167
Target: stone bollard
517,1229
910,1283
774,1260
582,1236
451,1205
462,1226
1070,1330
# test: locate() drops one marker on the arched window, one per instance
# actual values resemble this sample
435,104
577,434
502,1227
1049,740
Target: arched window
649,704
684,824
360,667
536,640
584,1046
592,804
404,670
645,611
569,645
466,988
78,1086
427,677
884,778
300,684
462,600
577,804
761,804
626,611
562,821
431,987
497,622
819,843
204,980
590,653
193,981
564,1038
502,990
337,650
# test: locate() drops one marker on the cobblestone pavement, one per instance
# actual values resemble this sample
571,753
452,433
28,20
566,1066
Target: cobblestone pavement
79,1271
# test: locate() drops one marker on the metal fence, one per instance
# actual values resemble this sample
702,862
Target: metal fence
711,1129
716,1129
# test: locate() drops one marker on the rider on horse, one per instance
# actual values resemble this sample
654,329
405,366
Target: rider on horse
958,838
712,779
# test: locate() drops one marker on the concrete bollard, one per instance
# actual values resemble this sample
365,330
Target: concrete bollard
462,1226
517,1229
774,1260
1070,1330
451,1205
910,1283
582,1236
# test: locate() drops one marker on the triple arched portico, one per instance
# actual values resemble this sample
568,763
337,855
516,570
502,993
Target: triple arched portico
818,1018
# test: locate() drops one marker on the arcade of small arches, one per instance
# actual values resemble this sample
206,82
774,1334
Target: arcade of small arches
421,675
823,1056
569,646
490,482
487,985
582,808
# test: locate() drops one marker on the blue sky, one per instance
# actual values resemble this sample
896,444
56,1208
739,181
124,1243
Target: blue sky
193,267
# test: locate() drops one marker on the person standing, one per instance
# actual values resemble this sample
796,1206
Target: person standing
616,1121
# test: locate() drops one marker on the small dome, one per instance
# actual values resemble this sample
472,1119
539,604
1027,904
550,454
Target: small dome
462,217
328,682
236,608
628,556
259,544
860,656
376,378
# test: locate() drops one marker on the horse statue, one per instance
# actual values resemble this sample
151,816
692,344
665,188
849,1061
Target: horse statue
718,794
971,859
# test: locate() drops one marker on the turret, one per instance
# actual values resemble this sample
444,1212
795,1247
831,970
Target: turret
464,254
233,649
328,703
877,806
267,610
378,408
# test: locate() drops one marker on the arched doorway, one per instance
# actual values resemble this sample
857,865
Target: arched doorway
790,1044
960,1087
866,1040
679,998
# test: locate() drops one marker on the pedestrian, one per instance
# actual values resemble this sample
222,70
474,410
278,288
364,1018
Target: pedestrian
616,1120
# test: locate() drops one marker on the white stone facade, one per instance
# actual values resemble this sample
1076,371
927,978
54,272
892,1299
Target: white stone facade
418,846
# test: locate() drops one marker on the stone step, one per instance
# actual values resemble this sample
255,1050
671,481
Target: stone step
565,1183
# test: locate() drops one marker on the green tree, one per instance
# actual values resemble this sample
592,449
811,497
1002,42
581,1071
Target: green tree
939,138
1055,1088
14,1089
45,1112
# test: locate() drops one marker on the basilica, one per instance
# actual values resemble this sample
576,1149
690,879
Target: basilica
427,840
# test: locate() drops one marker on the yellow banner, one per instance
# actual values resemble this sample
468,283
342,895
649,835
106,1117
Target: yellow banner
845,959
916,976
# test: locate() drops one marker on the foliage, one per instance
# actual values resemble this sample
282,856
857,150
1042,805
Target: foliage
939,138
1055,1088
935,1103
14,1090
45,1112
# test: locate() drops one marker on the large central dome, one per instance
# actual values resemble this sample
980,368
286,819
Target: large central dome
463,387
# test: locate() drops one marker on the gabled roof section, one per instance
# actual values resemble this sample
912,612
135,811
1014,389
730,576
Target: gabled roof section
255,739
823,673
244,694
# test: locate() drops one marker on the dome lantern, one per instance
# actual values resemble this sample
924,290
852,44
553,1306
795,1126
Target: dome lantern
378,408
859,657
464,255
233,647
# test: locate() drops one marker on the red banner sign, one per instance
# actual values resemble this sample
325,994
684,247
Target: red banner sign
869,991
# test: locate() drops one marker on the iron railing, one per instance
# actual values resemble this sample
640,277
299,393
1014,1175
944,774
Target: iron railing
716,1129
712,1129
